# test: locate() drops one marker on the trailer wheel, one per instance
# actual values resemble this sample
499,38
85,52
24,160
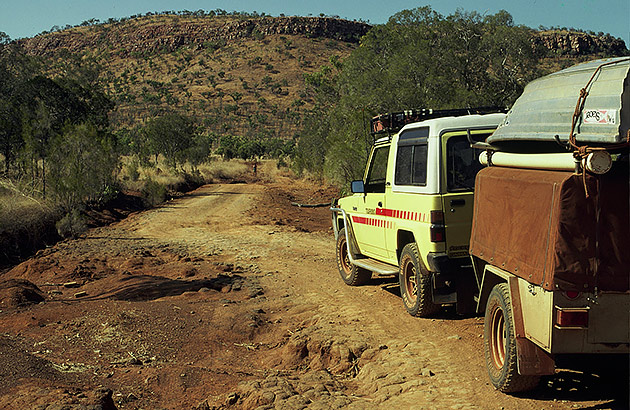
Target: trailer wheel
500,344
352,275
415,283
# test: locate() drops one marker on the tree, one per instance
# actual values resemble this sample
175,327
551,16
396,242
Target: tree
200,149
419,59
10,133
49,105
170,135
15,69
82,164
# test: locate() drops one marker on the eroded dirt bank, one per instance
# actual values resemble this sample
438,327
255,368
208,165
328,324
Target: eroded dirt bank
229,298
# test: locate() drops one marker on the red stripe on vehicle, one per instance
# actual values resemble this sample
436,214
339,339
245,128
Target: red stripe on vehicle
390,213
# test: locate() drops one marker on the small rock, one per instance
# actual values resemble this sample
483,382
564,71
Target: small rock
134,362
427,373
80,294
454,337
232,398
104,399
71,285
204,289
190,272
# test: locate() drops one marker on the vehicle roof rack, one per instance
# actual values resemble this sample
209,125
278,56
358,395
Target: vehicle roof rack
391,123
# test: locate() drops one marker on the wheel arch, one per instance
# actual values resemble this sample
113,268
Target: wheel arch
340,223
403,238
491,277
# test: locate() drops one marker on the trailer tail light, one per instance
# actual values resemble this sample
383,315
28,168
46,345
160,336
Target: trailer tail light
437,226
572,294
571,317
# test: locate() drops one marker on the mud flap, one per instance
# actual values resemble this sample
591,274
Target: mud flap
466,286
531,359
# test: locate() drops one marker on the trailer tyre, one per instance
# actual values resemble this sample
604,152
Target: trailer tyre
415,283
352,275
500,344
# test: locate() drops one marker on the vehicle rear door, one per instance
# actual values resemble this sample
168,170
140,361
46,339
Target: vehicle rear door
460,166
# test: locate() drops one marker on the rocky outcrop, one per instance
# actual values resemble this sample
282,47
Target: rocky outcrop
167,34
577,44
170,34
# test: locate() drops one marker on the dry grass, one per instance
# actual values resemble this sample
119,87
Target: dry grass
239,170
134,176
270,172
15,209
26,224
219,170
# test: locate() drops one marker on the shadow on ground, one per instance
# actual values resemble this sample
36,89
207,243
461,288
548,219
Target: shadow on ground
587,378
146,287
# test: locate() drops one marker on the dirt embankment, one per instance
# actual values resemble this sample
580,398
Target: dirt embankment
229,298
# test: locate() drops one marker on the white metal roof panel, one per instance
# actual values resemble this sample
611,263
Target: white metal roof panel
546,107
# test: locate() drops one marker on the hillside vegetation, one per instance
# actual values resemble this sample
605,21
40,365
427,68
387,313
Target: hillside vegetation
238,76
91,111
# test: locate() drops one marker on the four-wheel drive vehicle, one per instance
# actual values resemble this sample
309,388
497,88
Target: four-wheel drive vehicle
411,214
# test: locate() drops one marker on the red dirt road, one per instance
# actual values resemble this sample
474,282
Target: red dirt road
229,298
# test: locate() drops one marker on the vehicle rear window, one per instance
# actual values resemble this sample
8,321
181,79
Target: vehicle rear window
411,165
462,164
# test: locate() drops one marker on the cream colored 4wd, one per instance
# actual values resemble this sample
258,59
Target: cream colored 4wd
411,214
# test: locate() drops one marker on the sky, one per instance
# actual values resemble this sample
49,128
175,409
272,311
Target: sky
26,18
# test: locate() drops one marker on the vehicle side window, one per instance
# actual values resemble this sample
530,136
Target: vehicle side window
411,165
462,164
378,171
411,157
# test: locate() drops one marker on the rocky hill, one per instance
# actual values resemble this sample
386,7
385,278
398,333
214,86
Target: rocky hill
169,33
579,44
239,75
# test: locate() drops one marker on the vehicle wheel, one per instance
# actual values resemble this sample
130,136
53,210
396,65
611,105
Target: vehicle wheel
500,344
415,283
352,275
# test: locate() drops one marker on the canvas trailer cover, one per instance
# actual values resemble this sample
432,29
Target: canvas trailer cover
545,110
555,229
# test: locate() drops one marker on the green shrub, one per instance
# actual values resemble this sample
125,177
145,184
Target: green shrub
153,192
81,166
72,224
134,170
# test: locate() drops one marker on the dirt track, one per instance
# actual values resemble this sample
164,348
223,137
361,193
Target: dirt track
229,298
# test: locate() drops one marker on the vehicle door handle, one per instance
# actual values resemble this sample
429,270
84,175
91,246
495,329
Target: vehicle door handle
458,202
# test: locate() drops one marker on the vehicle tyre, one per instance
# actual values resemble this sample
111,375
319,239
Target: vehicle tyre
352,275
500,344
415,283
